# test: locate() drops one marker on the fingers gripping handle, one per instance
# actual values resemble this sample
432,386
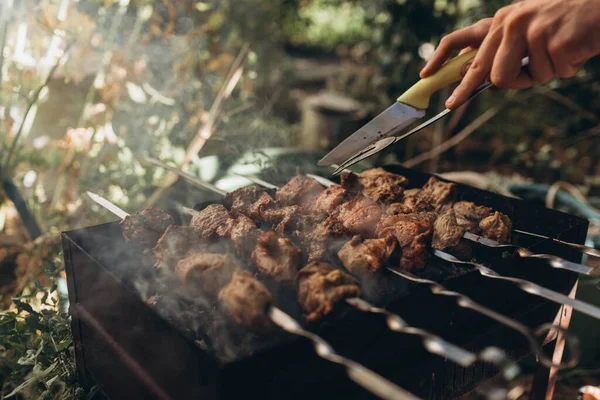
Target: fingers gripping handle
420,93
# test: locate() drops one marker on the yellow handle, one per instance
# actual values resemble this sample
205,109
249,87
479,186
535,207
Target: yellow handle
419,94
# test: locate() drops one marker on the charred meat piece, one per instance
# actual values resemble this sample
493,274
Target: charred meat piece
174,244
497,227
244,234
359,216
351,182
322,239
299,191
414,234
211,221
285,219
468,215
207,272
321,288
260,209
329,199
247,301
361,256
243,200
382,186
447,235
146,227
277,257
407,205
435,194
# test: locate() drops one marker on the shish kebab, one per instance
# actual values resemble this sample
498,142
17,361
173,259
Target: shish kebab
590,251
462,300
257,294
525,285
335,279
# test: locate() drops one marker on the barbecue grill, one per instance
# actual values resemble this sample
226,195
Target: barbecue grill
138,350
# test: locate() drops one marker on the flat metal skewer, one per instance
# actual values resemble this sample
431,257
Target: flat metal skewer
356,372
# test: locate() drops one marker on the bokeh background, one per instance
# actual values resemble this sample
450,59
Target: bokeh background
223,88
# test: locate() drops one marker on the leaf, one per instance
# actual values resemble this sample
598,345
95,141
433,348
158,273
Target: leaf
202,6
136,93
35,323
64,344
24,307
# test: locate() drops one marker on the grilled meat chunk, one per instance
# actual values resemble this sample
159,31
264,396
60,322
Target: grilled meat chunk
329,199
497,227
359,216
414,234
299,191
174,244
321,288
321,239
351,182
207,272
407,205
468,215
483,221
447,235
244,234
277,257
382,186
435,194
146,228
246,300
244,200
211,222
361,256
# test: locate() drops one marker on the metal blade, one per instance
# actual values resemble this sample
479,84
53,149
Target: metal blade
323,181
186,176
397,117
108,205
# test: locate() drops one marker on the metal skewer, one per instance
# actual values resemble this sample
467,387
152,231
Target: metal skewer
356,372
466,302
432,343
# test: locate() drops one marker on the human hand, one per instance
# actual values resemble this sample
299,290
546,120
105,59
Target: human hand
559,36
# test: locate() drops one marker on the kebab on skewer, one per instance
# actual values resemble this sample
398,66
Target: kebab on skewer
250,304
321,289
360,255
370,308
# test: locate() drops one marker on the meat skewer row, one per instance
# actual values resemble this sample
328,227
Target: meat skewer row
321,287
248,302
463,301
383,180
525,285
467,303
480,223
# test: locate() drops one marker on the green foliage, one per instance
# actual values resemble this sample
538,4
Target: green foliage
36,347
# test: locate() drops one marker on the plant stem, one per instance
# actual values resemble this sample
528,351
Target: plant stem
32,102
